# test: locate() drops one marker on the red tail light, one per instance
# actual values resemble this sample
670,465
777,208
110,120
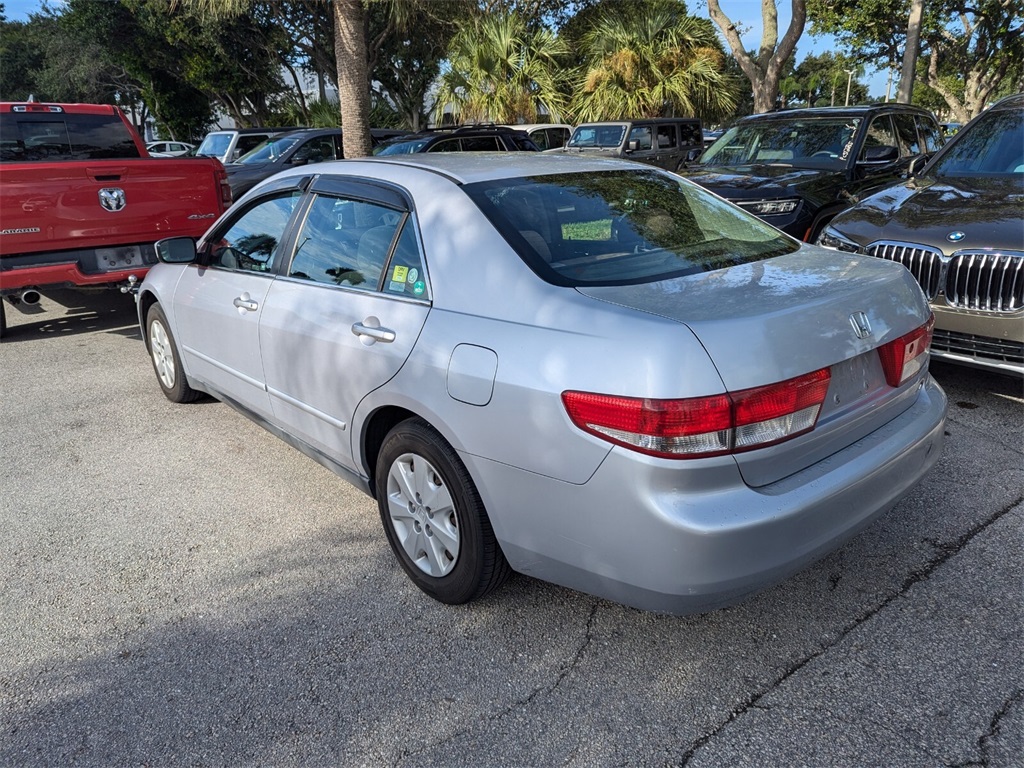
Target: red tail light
703,426
905,356
225,188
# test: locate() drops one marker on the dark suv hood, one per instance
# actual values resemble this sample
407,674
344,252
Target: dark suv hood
949,214
741,182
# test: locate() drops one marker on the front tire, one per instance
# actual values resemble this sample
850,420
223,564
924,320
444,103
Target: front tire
163,351
434,518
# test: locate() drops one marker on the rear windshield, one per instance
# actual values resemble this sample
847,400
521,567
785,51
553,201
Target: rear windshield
56,137
597,136
622,227
994,146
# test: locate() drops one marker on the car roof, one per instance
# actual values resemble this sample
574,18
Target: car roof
857,110
655,120
534,126
1016,101
472,167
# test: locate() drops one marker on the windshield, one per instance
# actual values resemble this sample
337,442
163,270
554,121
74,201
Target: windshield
214,145
400,147
799,143
994,146
269,151
597,136
622,227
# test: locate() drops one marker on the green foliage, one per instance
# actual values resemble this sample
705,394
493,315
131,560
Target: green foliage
501,71
653,61
969,48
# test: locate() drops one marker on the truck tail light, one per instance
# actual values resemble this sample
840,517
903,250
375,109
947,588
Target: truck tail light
703,426
225,188
905,356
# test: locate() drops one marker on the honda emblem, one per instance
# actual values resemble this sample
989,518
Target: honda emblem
861,324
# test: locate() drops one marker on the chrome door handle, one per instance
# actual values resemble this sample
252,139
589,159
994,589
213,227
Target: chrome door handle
370,331
244,302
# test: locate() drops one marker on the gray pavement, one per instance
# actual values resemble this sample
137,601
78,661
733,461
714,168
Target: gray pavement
181,588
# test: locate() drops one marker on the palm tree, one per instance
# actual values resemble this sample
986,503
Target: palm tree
658,62
499,70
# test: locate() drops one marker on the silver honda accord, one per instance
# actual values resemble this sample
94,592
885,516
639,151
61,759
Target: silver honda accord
589,371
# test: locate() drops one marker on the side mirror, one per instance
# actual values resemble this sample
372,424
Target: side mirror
176,250
634,145
693,154
880,154
917,165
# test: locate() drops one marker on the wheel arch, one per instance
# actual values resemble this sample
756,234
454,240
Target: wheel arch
146,300
375,430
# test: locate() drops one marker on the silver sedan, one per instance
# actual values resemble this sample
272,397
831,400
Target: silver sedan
588,371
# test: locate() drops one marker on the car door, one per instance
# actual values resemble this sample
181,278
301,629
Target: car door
345,314
218,302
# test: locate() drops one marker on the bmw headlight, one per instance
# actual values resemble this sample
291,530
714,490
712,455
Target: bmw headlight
830,238
771,207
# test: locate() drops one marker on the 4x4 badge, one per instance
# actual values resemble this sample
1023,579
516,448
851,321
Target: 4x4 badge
861,325
112,198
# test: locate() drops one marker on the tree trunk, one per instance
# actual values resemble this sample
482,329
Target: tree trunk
353,78
764,71
908,71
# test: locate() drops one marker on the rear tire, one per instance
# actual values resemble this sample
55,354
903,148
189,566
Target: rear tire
434,518
163,351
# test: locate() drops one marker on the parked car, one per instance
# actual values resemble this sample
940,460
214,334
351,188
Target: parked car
81,203
958,226
169,148
664,142
798,168
468,138
585,370
284,150
545,135
229,144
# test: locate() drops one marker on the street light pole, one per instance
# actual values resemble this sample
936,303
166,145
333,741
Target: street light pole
849,80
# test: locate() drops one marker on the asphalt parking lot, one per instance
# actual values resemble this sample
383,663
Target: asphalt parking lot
181,588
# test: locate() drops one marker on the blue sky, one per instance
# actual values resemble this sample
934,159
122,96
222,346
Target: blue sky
743,13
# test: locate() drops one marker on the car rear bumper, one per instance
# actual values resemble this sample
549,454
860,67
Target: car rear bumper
83,268
634,535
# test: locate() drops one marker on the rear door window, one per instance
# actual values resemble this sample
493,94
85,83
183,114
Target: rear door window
359,244
906,128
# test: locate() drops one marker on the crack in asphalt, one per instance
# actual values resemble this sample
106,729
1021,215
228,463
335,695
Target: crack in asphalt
566,670
994,727
945,552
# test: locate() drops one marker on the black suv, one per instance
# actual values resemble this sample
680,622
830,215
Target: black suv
286,150
798,168
468,138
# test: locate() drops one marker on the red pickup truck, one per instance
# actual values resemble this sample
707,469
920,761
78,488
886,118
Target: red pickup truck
82,203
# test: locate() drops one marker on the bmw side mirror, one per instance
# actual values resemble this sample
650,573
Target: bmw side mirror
176,250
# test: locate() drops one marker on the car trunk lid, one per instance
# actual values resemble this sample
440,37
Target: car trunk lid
769,321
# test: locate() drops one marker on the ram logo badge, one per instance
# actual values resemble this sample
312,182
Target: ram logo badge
112,199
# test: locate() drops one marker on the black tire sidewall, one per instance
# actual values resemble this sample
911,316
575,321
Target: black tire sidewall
181,392
463,583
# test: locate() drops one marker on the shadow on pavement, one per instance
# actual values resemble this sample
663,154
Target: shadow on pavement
69,313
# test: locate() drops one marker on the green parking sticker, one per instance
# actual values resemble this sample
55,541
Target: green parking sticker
419,287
